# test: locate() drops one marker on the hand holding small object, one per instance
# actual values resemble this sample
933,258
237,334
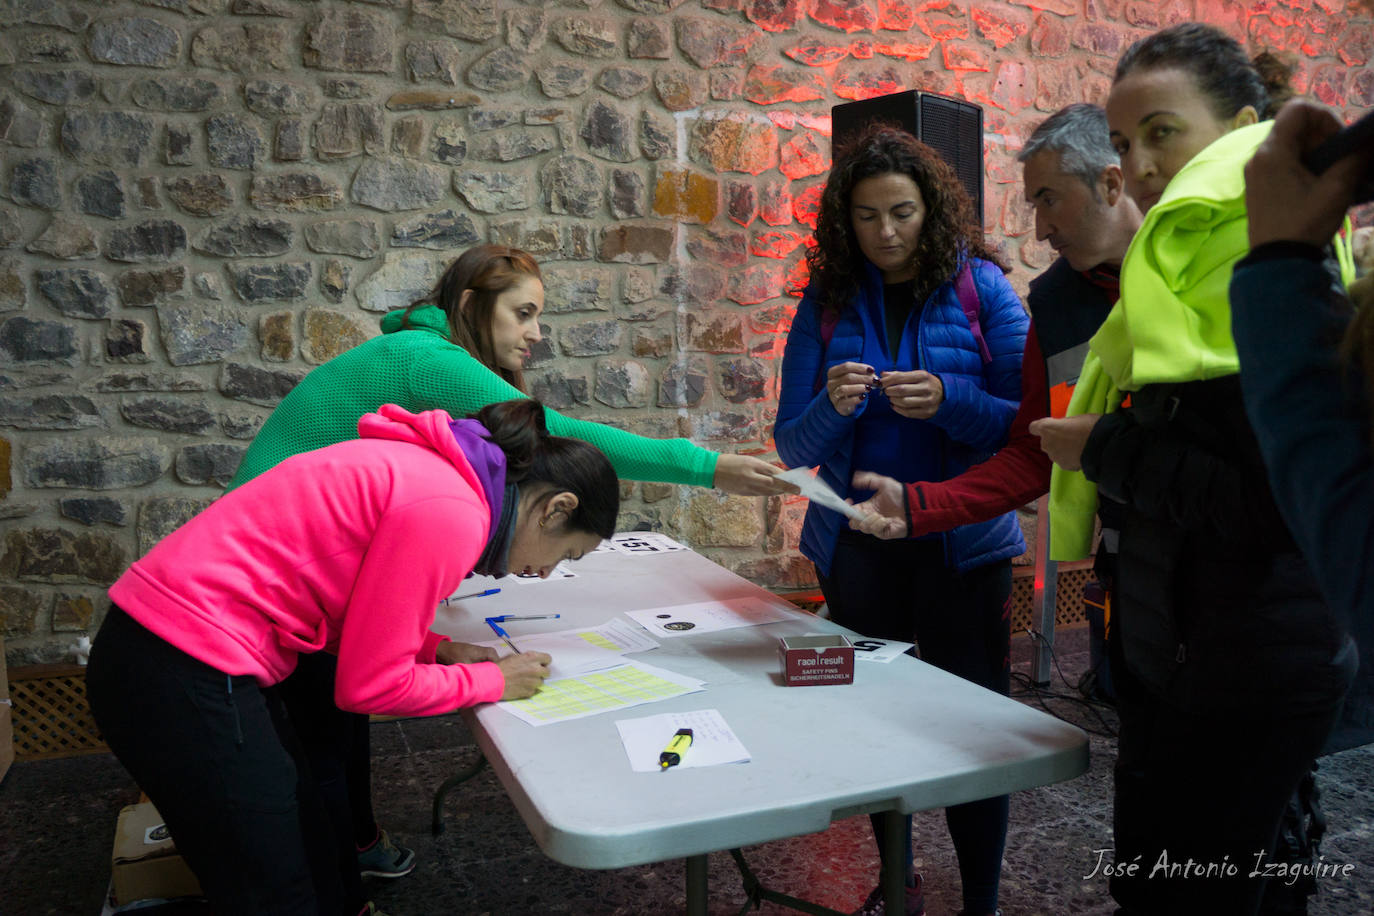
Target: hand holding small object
916,394
847,384
885,512
1063,439
524,673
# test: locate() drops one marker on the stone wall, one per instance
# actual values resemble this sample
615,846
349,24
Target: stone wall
202,199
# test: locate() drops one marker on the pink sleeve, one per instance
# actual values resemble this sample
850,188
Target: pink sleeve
418,554
426,655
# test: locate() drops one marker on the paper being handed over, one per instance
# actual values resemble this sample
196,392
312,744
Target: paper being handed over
818,491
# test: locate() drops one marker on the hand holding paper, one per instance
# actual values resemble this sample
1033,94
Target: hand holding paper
819,492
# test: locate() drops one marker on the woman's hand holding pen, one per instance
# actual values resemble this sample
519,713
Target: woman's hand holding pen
524,673
847,384
463,653
916,395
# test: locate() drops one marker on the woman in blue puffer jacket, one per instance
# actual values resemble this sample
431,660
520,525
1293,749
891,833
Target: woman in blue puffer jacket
904,358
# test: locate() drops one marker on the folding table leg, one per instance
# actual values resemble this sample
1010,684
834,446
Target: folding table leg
894,875
436,823
696,885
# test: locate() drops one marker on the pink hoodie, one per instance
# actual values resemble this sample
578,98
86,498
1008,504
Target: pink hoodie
346,549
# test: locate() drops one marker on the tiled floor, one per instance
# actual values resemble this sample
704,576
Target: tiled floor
57,820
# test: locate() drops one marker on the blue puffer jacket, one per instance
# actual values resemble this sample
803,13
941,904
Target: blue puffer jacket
971,424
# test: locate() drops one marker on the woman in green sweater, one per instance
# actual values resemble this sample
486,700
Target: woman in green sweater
460,348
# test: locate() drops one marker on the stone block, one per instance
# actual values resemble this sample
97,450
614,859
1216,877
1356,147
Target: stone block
348,129
557,390
168,415
773,84
65,240
686,195
681,89
25,340
33,183
563,79
608,132
712,43
194,333
19,610
472,20
624,82
648,39
177,146
636,244
275,98
443,230
489,191
275,282
246,237
577,289
391,185
99,463
212,463
72,613
571,185
449,144
206,194
95,510
55,87
329,333
277,336
257,386
76,292
501,70
589,36
160,516
127,341
350,39
356,238
295,192
724,248
173,93
150,240
49,411
527,29
622,383
714,519
627,195
657,137
591,338
682,383
400,280
138,288
334,279
734,143
251,48
232,142
433,60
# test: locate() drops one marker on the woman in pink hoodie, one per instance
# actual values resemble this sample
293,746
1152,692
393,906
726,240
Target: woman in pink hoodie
347,549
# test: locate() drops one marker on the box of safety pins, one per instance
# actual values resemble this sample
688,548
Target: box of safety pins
821,659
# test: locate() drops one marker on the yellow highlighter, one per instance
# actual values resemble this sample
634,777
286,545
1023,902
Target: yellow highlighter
672,754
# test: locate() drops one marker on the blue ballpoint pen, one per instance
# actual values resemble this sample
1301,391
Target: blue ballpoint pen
490,591
505,617
496,628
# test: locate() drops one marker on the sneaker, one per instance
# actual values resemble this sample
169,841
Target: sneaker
384,859
915,902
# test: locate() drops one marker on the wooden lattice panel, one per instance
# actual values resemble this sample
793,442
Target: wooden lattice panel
1068,604
51,715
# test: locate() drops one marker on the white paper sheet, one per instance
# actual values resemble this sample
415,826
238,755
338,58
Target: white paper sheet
633,543
561,571
571,655
707,616
818,491
872,649
713,742
630,684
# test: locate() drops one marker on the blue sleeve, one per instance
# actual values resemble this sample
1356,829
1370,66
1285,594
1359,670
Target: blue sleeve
981,417
808,430
1312,422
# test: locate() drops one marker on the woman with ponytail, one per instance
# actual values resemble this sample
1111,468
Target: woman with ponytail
1229,668
344,550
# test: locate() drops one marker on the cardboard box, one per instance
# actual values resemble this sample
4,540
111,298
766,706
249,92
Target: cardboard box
810,660
145,864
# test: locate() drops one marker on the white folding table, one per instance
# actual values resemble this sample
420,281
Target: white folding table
903,737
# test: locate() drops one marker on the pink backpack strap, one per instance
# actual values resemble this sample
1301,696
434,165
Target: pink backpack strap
968,298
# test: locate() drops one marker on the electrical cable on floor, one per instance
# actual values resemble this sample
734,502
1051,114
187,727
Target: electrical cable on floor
1082,698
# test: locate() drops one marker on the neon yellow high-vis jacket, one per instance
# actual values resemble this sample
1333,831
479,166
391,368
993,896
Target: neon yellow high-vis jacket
1173,320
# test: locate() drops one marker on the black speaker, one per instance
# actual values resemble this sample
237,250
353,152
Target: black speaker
951,127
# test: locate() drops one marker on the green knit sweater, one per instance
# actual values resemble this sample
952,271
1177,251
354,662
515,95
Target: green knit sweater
420,369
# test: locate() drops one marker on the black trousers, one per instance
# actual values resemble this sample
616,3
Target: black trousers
903,590
338,745
1206,790
219,758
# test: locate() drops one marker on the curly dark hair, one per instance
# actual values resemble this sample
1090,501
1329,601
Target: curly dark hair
950,229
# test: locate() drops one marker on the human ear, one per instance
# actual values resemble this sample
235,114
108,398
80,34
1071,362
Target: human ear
561,505
1113,184
1245,117
464,301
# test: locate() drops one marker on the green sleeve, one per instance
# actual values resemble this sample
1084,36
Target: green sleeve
454,380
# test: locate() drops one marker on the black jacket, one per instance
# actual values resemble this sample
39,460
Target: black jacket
1214,606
